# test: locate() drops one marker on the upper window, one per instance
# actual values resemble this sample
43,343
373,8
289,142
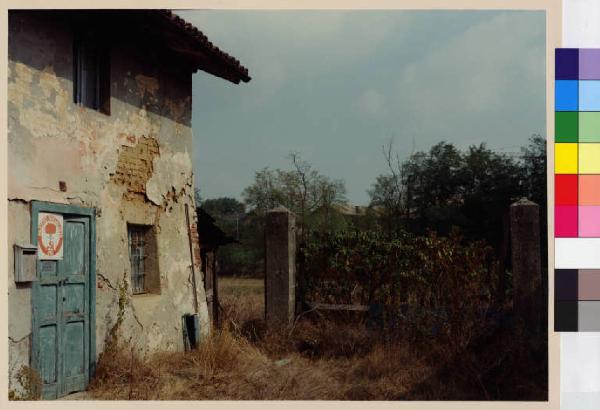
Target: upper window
143,258
91,82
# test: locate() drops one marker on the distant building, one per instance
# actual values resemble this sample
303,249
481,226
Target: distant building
357,210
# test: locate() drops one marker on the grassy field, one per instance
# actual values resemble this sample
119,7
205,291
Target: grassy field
230,286
321,357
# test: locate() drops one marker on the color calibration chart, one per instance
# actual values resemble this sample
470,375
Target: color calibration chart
577,190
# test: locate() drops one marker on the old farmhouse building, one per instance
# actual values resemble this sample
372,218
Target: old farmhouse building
100,188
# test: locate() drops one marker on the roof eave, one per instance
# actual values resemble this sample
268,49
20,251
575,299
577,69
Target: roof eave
204,55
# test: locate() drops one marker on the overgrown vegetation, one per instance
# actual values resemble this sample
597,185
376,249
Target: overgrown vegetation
429,259
335,357
435,190
432,286
471,189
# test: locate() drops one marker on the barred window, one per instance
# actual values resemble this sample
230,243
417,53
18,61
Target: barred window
142,256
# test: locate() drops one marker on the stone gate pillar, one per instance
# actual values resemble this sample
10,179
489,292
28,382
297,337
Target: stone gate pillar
280,267
526,263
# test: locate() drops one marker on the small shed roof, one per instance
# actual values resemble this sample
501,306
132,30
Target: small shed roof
211,236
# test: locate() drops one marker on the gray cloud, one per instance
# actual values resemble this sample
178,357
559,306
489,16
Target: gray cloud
335,85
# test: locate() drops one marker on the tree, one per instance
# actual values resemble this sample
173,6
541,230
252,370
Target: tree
534,169
534,165
223,207
265,192
303,190
445,187
387,193
227,213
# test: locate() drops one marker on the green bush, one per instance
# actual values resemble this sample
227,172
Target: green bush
426,285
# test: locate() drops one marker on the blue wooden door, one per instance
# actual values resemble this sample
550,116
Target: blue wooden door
61,314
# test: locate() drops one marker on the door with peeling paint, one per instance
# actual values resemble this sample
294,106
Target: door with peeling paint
61,314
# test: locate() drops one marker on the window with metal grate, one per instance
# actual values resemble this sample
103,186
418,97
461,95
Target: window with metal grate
138,255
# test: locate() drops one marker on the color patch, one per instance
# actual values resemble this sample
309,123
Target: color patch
589,126
589,158
566,95
588,316
589,64
577,190
589,221
577,300
566,63
588,284
589,95
565,158
589,189
565,221
576,253
566,126
566,316
566,189
566,284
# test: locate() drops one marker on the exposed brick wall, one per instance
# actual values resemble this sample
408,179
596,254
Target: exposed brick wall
134,166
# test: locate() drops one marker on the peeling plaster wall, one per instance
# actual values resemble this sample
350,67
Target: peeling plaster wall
133,166
19,299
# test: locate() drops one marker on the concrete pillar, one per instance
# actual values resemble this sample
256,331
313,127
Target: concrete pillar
280,267
526,263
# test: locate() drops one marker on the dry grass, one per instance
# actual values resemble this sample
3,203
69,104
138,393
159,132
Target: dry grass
334,358
228,367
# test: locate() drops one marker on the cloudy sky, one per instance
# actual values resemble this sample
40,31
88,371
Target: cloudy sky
336,85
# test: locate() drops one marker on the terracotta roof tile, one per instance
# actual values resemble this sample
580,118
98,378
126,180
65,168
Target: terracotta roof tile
201,40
